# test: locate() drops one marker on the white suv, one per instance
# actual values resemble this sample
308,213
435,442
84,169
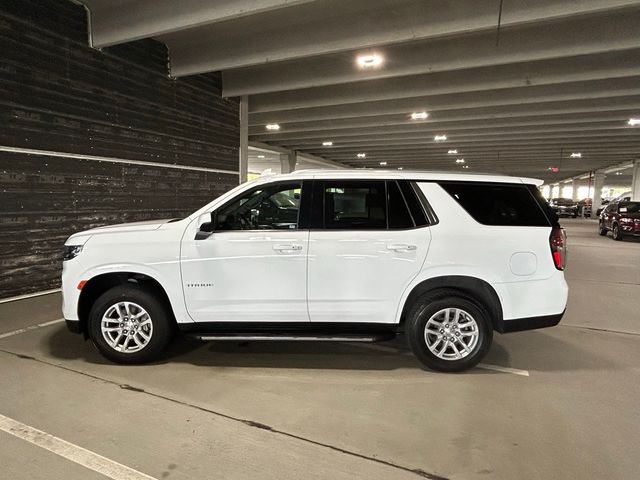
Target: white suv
327,255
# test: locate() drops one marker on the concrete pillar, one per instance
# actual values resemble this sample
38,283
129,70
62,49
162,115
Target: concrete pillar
288,161
243,164
635,181
598,183
574,193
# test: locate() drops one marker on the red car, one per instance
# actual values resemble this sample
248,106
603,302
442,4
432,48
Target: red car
622,218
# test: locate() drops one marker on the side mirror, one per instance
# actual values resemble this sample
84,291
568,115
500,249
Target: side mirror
207,223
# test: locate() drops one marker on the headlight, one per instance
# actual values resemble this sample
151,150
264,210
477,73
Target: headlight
71,251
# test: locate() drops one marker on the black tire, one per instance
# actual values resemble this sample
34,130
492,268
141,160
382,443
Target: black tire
432,303
601,229
615,232
161,319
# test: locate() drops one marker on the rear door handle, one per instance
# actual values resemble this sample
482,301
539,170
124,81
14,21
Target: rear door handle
284,248
401,247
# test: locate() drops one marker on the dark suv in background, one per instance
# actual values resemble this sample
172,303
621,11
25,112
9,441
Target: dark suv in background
564,207
622,218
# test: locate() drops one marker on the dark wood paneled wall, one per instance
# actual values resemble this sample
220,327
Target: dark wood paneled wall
59,95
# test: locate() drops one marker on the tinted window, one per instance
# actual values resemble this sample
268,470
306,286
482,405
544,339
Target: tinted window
498,204
270,207
352,205
629,207
399,216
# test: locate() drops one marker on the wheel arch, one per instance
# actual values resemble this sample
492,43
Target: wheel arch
99,284
476,288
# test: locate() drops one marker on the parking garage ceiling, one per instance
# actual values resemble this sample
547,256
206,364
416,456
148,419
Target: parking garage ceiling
515,86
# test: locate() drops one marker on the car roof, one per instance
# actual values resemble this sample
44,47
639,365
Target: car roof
358,173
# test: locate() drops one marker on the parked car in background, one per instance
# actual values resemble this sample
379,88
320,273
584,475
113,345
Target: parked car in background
584,207
621,218
564,207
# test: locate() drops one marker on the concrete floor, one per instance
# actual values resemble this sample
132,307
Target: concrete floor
318,411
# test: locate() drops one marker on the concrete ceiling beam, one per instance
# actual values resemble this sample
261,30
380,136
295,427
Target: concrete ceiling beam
609,88
584,35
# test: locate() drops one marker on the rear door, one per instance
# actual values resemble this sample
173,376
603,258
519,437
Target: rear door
365,247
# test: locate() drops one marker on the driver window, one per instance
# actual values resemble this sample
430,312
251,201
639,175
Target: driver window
268,207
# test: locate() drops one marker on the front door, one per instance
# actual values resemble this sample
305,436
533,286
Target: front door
253,267
364,253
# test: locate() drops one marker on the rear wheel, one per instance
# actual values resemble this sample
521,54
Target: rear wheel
448,331
601,229
129,324
616,234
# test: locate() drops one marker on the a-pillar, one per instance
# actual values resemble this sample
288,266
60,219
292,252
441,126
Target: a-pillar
288,161
635,181
243,163
598,183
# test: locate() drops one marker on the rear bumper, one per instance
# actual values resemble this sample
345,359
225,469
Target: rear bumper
528,323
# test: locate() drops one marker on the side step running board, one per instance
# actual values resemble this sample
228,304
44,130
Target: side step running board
294,337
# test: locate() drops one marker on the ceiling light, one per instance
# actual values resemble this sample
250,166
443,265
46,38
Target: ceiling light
260,156
576,155
369,61
327,143
634,122
361,155
273,126
440,138
452,152
419,115
383,164
459,160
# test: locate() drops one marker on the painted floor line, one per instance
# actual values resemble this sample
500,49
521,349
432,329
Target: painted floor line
70,451
31,327
29,295
486,366
498,368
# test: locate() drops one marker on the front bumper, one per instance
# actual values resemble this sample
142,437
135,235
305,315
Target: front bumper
529,323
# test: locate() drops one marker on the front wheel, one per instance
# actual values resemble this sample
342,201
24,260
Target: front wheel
601,230
615,233
129,324
449,332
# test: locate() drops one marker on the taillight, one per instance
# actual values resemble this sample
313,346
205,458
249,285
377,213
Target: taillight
558,243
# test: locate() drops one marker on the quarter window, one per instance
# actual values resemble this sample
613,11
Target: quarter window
269,207
498,204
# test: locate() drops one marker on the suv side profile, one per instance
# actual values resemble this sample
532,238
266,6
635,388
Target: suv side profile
327,255
622,218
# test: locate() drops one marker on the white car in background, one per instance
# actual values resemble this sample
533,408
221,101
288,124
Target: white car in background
327,255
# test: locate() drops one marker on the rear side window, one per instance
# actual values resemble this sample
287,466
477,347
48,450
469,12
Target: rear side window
498,204
355,205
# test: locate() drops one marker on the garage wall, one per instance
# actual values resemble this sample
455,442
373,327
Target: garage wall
73,118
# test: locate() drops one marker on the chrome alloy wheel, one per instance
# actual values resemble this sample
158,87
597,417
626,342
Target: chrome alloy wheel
126,327
451,334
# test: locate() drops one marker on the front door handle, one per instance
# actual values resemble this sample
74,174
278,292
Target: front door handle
401,247
288,247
